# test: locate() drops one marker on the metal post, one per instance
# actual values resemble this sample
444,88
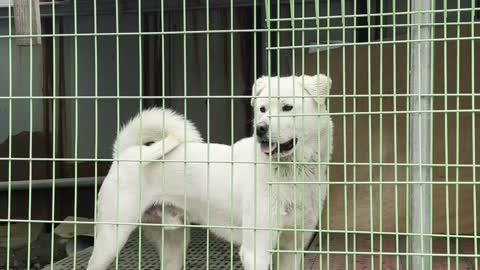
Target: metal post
420,125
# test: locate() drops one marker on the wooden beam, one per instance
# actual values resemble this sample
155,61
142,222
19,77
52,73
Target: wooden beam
26,26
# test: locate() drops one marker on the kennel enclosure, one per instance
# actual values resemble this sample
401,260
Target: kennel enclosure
404,101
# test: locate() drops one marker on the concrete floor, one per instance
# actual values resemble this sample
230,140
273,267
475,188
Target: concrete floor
464,260
220,256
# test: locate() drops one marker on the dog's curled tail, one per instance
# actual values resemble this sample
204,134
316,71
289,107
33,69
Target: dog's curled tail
154,125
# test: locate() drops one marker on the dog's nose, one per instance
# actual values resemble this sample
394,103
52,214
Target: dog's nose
262,130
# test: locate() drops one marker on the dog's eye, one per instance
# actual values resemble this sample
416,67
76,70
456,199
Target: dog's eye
148,143
287,108
262,109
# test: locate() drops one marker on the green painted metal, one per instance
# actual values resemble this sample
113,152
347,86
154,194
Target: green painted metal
277,26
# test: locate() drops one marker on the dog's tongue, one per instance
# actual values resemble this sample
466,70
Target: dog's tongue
265,148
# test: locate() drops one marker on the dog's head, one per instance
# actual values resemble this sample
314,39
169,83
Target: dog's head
287,111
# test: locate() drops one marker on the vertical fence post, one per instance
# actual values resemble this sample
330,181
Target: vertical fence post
420,125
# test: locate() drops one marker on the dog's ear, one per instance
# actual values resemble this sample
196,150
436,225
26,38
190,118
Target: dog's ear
318,86
258,86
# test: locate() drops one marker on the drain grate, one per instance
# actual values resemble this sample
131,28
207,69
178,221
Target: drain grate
220,256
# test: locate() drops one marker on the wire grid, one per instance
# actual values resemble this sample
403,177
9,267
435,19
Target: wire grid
280,29
219,255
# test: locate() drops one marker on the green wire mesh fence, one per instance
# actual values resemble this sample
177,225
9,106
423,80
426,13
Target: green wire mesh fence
404,103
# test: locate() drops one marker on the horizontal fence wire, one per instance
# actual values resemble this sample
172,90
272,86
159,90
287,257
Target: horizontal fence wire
182,161
353,96
371,165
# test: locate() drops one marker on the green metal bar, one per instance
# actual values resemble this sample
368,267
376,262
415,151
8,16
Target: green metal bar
279,65
408,41
404,164
320,208
457,135
117,79
255,158
367,233
295,186
30,136
227,31
140,105
354,126
46,12
208,125
75,192
207,10
355,15
395,136
95,70
339,96
232,113
328,106
377,253
380,188
302,257
474,146
184,24
270,176
445,83
90,181
54,133
270,96
429,186
407,149
252,30
370,167
10,131
344,120
162,25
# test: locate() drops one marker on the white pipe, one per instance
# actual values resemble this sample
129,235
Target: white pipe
47,183
420,85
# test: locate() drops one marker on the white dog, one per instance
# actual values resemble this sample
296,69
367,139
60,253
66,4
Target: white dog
248,186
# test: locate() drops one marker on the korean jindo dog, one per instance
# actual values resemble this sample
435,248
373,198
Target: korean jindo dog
194,180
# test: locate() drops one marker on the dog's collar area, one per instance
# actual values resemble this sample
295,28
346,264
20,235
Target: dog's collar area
277,148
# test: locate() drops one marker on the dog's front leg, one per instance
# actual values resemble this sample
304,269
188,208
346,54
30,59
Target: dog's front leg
292,253
256,243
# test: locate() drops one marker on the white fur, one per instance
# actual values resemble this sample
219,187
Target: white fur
155,124
254,202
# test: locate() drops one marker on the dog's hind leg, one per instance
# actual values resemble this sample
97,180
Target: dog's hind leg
119,208
123,180
171,247
169,239
110,239
112,233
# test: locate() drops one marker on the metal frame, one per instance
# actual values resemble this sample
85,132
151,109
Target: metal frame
420,46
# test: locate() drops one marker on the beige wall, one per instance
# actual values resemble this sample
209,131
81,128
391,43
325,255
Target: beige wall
370,130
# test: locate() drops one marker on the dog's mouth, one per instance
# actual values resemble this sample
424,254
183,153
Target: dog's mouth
276,147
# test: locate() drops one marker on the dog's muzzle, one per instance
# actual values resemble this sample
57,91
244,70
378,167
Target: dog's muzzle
271,148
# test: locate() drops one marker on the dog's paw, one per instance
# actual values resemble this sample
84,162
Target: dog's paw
251,260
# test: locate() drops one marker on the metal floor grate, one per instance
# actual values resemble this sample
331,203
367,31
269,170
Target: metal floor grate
219,255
